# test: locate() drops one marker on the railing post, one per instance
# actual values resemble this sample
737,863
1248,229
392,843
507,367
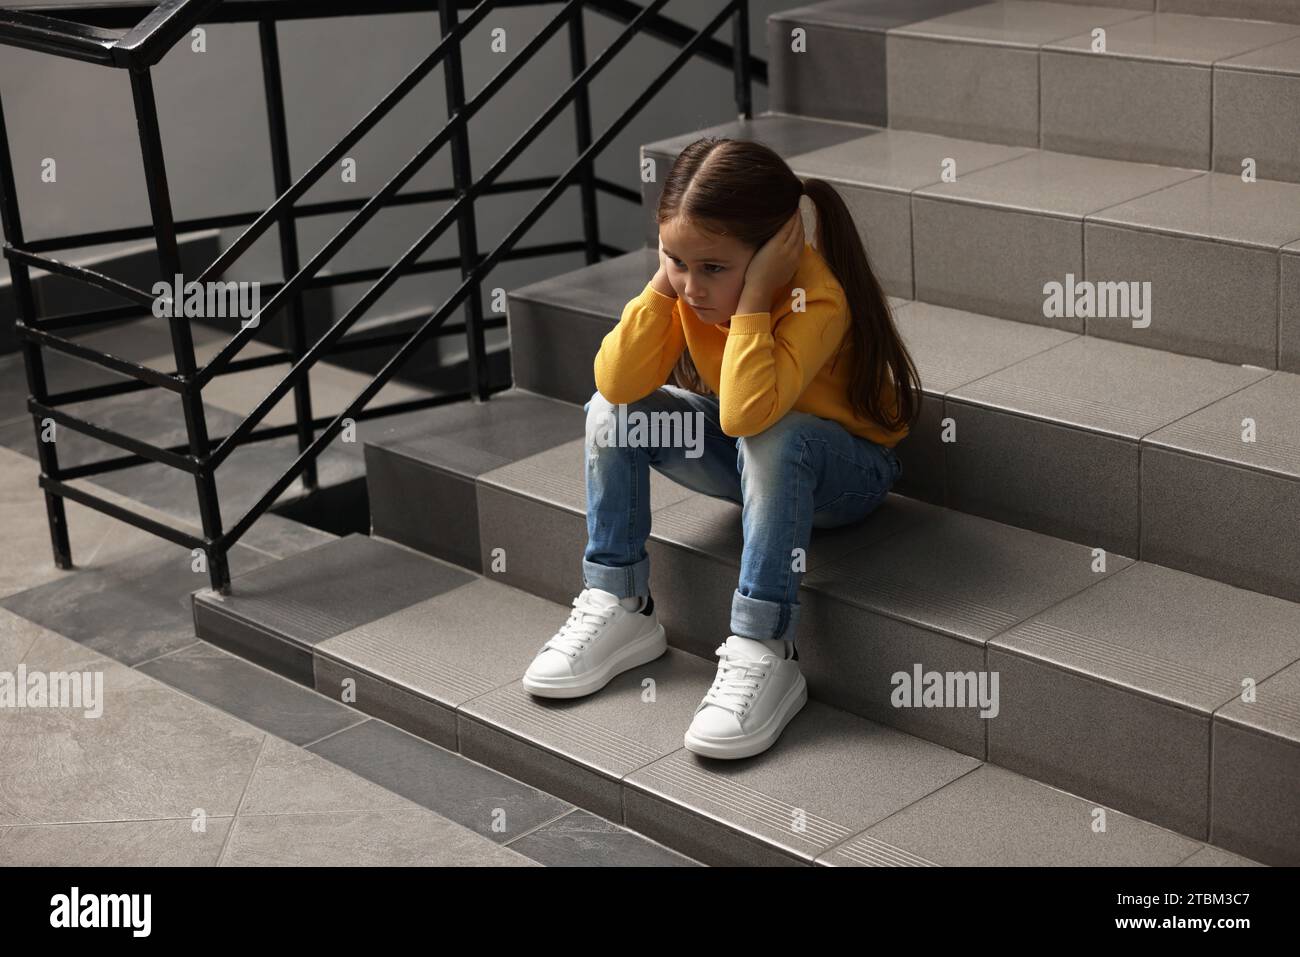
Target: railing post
582,120
740,60
282,178
33,361
462,176
160,206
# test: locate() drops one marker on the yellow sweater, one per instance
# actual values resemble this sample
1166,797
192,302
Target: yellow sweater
765,364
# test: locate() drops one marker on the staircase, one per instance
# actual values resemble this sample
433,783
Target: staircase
1103,510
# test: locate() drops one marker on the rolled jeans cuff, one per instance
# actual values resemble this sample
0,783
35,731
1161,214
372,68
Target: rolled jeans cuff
623,581
762,620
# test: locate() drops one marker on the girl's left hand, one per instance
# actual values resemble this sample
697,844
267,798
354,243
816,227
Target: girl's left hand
777,259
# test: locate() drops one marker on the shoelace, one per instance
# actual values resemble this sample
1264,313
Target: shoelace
737,681
584,621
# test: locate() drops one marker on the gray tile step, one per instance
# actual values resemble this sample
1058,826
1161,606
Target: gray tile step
1187,247
438,652
914,583
1119,79
1026,424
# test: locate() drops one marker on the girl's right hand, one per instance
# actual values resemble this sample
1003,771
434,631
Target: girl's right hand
660,281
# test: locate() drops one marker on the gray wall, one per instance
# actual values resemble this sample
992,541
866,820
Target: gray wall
214,131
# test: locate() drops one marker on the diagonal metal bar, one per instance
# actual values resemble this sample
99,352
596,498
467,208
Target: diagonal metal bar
420,245
381,109
376,202
440,315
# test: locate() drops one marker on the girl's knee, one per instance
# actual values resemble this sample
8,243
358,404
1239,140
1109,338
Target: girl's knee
782,441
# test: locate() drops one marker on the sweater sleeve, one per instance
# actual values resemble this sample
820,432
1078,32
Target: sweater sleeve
636,356
769,362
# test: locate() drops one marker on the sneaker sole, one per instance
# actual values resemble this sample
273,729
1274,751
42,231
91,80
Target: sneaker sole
640,652
760,740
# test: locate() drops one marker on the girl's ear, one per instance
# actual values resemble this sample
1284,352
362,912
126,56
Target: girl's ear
811,222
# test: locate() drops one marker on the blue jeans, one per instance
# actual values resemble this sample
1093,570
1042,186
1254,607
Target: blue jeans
803,472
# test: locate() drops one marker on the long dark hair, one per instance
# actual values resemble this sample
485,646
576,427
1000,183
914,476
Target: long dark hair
746,190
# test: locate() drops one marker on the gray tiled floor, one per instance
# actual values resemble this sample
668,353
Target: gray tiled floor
196,734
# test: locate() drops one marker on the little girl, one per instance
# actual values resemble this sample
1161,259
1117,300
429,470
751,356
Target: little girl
787,356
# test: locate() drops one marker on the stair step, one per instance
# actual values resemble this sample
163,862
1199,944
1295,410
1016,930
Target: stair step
845,77
323,592
1017,219
1168,87
1054,431
1243,493
439,652
1278,11
1053,442
1155,95
916,583
437,459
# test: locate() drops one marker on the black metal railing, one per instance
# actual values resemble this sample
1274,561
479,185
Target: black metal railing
134,37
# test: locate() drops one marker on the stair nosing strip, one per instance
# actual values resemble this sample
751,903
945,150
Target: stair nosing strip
696,782
1137,663
878,850
595,736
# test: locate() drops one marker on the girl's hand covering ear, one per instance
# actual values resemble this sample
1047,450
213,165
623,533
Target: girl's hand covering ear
777,259
660,281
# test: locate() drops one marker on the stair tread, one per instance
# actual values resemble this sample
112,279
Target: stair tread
992,815
1145,196
1215,431
1282,58
900,160
875,16
1084,381
1108,387
1264,214
1017,23
953,347
1182,38
1276,708
863,793
1069,185
332,588
962,575
601,283
471,438
1167,633
787,135
955,574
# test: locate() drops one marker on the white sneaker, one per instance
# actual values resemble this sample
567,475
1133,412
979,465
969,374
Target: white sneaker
753,698
600,640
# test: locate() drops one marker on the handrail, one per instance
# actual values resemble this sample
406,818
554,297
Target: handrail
132,46
161,25
78,41
149,40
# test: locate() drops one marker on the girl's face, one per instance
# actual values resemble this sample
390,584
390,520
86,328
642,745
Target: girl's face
706,271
